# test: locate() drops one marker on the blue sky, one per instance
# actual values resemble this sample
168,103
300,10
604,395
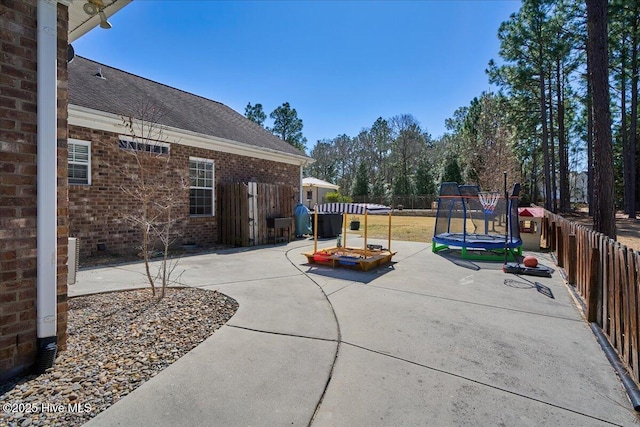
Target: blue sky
341,65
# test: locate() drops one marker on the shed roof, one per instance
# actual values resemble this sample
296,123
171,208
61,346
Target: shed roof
124,94
316,182
531,212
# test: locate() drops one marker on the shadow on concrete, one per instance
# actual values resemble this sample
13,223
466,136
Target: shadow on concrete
527,284
455,256
348,274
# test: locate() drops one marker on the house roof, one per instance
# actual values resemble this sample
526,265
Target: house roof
315,182
124,94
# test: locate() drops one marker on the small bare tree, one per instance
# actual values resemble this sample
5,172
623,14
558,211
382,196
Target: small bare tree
157,188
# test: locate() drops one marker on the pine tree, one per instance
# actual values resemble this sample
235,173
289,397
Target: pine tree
452,171
604,219
288,126
361,186
255,113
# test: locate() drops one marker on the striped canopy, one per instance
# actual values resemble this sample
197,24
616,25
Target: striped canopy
353,208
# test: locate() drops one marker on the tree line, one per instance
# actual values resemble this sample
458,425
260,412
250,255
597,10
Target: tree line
567,102
570,80
389,158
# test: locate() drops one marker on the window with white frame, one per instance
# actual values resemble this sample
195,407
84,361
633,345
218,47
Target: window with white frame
79,162
201,189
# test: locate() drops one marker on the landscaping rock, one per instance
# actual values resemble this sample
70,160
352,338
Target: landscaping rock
116,342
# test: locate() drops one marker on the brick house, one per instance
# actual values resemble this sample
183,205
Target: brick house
34,36
200,137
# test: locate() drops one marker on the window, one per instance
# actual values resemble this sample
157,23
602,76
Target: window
127,143
201,191
309,194
79,162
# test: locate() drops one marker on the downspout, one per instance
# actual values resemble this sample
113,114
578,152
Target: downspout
301,189
47,134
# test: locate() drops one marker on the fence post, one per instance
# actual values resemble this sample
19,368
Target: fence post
592,289
572,259
547,235
559,247
552,236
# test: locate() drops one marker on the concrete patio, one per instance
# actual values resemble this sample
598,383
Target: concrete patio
428,340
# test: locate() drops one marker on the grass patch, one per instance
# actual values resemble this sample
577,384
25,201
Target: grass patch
406,228
420,228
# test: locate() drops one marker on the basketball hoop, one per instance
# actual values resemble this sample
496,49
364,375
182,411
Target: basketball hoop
488,200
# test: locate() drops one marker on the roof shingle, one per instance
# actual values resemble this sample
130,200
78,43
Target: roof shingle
123,93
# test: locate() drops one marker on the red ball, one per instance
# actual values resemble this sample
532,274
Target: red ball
530,261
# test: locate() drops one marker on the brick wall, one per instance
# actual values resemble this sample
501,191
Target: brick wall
18,191
96,211
63,195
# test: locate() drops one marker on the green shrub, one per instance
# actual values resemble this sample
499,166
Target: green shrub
336,197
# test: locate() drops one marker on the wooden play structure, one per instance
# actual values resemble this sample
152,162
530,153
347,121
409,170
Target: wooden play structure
341,255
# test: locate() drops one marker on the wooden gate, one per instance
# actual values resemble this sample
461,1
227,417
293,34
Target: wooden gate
243,209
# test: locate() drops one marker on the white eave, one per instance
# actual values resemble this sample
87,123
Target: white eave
80,23
108,122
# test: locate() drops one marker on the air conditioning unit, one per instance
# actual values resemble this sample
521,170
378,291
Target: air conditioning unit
73,259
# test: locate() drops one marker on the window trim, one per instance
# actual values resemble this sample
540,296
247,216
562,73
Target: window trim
212,188
87,164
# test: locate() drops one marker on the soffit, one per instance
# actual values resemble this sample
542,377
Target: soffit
81,23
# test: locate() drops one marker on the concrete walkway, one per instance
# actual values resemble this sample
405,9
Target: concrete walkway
429,340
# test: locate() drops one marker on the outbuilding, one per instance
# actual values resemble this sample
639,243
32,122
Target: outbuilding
315,190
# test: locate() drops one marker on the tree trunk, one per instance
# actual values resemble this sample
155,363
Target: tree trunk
626,172
563,152
535,196
604,219
633,128
590,173
552,149
545,141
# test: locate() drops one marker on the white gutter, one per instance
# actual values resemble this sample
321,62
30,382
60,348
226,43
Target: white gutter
109,122
301,189
47,97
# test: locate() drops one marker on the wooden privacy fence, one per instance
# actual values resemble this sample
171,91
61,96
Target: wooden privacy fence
243,209
605,275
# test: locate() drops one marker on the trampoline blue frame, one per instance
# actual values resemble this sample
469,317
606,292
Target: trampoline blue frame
440,242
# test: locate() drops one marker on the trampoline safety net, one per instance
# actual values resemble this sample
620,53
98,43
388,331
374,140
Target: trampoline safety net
462,221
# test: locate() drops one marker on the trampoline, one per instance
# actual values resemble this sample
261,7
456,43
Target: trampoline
482,225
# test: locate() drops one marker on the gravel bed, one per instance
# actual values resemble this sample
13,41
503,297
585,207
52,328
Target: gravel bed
116,341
